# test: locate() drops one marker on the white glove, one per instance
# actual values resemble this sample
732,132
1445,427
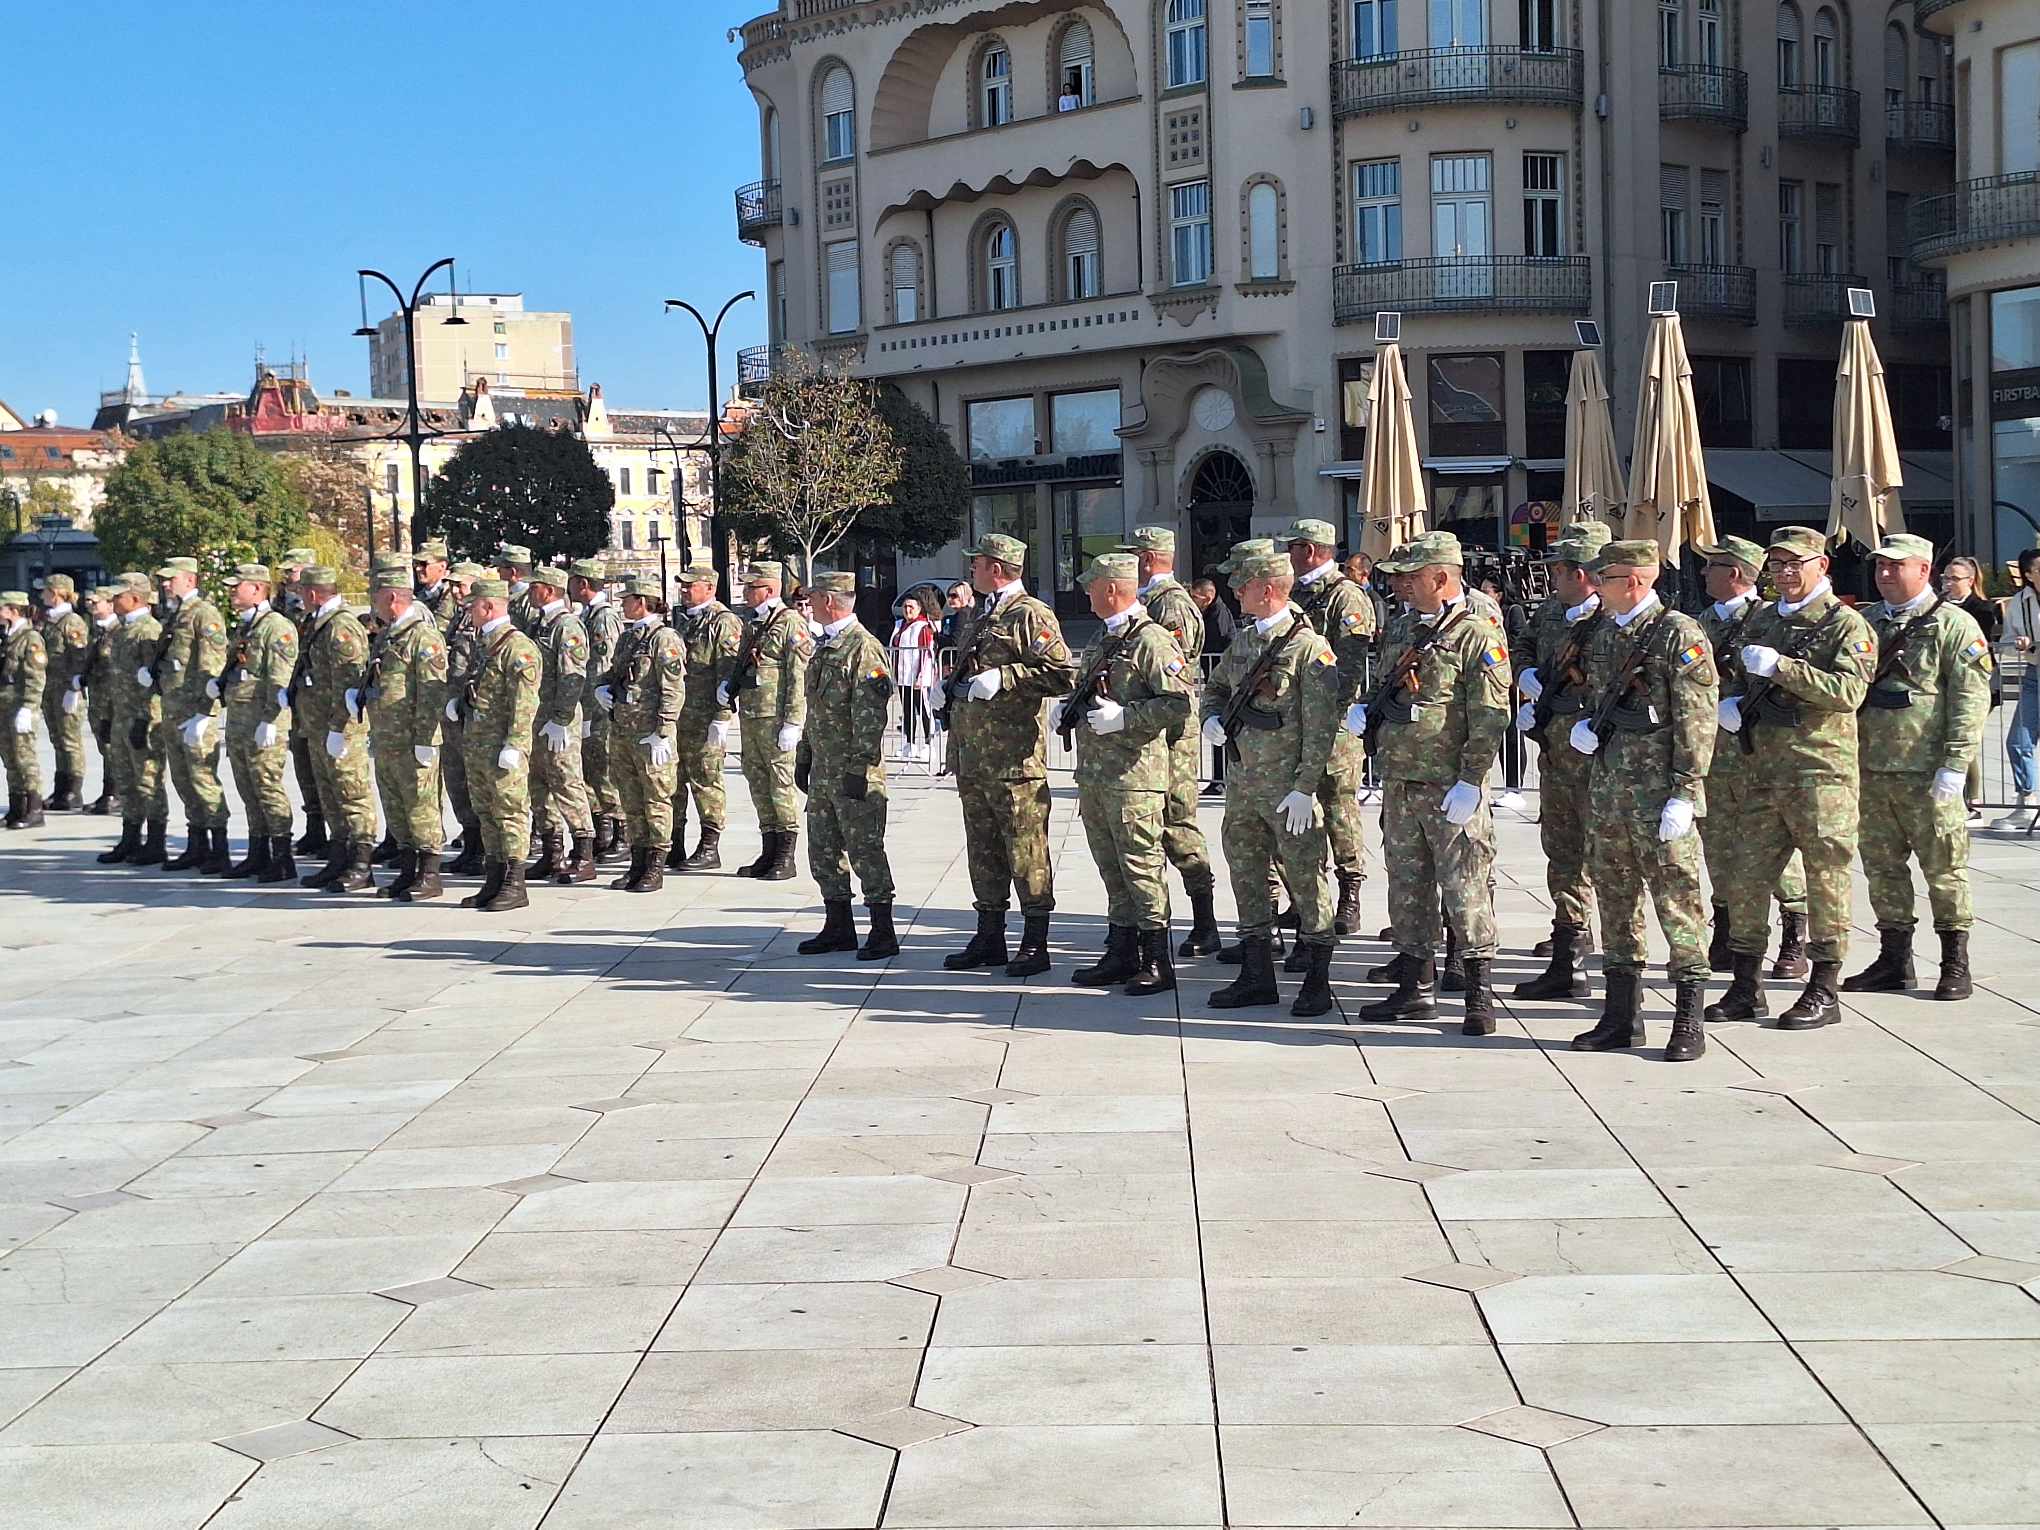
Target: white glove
984,685
353,700
283,698
212,690
265,735
1461,803
789,735
719,734
336,744
425,754
662,749
1356,718
1106,716
1759,660
1297,810
24,720
1583,737
69,703
722,695
509,757
1948,785
1526,717
144,678
587,728
194,732
556,737
1529,684
1213,731
1055,716
1728,713
606,696
1676,821
452,711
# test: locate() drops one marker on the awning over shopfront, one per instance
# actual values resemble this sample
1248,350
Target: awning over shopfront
1777,487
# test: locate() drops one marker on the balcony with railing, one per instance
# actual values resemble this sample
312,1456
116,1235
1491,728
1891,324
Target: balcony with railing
1922,9
1439,76
1816,299
754,370
758,208
1712,291
1975,215
1820,113
1922,127
1703,93
1918,306
1463,284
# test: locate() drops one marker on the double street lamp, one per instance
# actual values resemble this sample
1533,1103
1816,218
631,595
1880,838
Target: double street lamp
711,335
414,432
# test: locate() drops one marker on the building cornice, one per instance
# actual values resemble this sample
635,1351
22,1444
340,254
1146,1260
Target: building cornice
771,38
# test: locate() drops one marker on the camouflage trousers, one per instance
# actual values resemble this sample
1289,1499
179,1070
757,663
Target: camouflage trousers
23,765
701,773
502,801
100,720
306,772
598,756
1562,775
453,773
1900,820
1719,832
645,793
845,836
1125,831
345,794
1005,838
1816,818
559,792
410,795
258,778
768,771
195,772
1630,865
1257,844
67,730
1339,795
1182,838
1429,859
138,773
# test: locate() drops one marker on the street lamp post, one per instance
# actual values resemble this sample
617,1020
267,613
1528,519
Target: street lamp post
659,540
711,335
679,487
414,432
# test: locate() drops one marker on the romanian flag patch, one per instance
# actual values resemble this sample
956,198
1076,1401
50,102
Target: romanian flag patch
877,672
1862,645
1977,649
1326,657
1354,622
1495,655
1691,655
1174,667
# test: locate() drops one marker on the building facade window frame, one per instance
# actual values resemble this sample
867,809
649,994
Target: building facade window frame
1671,34
1376,28
1192,254
1673,230
1791,226
1073,52
1791,35
836,112
1377,211
1187,43
1543,204
1260,47
1829,68
995,264
991,83
905,282
1264,229
1540,25
842,297
1076,273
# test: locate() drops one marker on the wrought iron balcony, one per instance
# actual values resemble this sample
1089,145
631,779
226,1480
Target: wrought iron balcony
1710,291
1919,306
754,370
1703,93
1994,210
1922,9
758,208
1923,126
1813,300
1431,76
1820,113
1464,284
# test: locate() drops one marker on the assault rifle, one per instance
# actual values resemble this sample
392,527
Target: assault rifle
745,675
1088,687
1402,672
1238,714
958,678
1888,662
1626,677
1757,692
1567,669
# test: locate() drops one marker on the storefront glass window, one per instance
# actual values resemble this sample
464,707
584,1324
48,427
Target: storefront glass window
1001,427
1084,422
1470,508
1009,515
1089,520
2015,415
1466,406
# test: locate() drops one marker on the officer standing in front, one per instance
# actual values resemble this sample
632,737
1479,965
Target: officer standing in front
405,693
498,710
68,640
1919,730
24,670
190,659
559,792
333,658
714,636
643,694
262,656
587,587
137,720
768,687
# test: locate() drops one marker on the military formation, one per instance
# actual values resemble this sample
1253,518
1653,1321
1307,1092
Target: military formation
1696,769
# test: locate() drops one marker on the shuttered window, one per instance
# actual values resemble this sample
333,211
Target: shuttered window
1672,212
906,283
1827,228
1080,254
1788,46
839,115
1894,65
1714,216
839,261
1826,70
1075,66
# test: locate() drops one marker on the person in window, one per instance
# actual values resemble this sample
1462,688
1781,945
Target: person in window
1959,587
1072,96
2021,637
913,662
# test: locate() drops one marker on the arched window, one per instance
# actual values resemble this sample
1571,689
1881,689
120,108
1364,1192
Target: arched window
1827,68
1078,264
1264,240
999,267
995,87
770,169
1789,35
839,115
1076,67
1894,67
905,278
1188,43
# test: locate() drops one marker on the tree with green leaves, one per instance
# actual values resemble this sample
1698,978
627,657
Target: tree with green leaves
517,483
217,497
927,505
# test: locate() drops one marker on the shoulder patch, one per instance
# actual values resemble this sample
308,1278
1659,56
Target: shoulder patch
1863,644
1353,622
1325,656
1174,667
1494,654
1691,655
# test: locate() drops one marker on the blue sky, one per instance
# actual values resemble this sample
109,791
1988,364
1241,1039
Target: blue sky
211,175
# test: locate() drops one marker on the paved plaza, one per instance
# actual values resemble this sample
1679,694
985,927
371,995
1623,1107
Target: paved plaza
613,1212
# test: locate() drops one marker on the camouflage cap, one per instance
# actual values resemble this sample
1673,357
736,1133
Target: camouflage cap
1161,539
253,573
1434,549
766,572
644,586
1262,565
512,554
173,566
1116,565
551,575
394,560
588,568
1579,544
1629,553
1802,541
135,583
432,550
467,570
61,584
14,598
391,577
1899,545
1741,549
834,584
1244,550
490,589
297,557
1317,533
102,592
322,575
696,572
1008,550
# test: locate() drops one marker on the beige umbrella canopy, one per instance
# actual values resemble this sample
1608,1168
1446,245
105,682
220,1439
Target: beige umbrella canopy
1594,490
1668,500
1864,504
1392,481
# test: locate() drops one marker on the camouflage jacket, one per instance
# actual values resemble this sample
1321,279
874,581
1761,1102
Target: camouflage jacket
1805,726
1930,694
99,682
459,631
404,688
714,636
1540,647
770,680
604,624
1146,674
1457,699
1006,738
1344,617
1659,737
261,659
332,661
68,640
1285,737
24,669
849,689
500,703
563,644
444,604
134,645
191,654
648,680
1725,636
525,614
1170,604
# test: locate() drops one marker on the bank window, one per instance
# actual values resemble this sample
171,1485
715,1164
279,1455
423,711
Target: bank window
1084,422
1466,405
1377,211
1008,515
1001,427
1374,28
1090,520
1544,205
1187,42
1260,24
1190,233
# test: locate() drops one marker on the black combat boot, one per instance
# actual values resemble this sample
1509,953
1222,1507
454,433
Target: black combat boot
1892,971
1203,937
256,863
337,856
1563,978
1745,997
1452,976
1480,998
386,851
108,801
1415,996
548,863
580,865
1817,1004
1120,961
767,854
1256,982
1689,1036
472,858
1157,972
1791,962
13,818
1346,919
1230,956
1315,997
987,947
193,855
281,867
218,860
153,852
838,931
1390,971
1621,1024
783,867
493,874
883,941
358,874
31,811
427,885
654,876
64,799
1032,957
1298,959
639,855
1955,982
609,845
1718,955
707,855
313,840
407,875
126,847
511,895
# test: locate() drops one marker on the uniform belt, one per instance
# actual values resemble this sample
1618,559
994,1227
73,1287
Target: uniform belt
1883,699
1633,719
1259,721
1777,708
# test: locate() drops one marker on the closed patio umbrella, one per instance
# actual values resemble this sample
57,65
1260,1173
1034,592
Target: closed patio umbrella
1392,480
1668,499
1594,490
1864,503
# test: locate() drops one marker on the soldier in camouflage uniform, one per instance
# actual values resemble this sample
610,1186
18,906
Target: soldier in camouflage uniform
1649,737
99,689
1133,691
437,590
1549,659
768,687
405,691
1804,666
714,635
1919,730
1010,657
1443,705
604,625
69,642
642,695
24,671
1169,604
1228,569
137,720
191,656
499,710
559,792
1731,575
1343,616
457,626
513,567
332,661
289,570
840,764
262,656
